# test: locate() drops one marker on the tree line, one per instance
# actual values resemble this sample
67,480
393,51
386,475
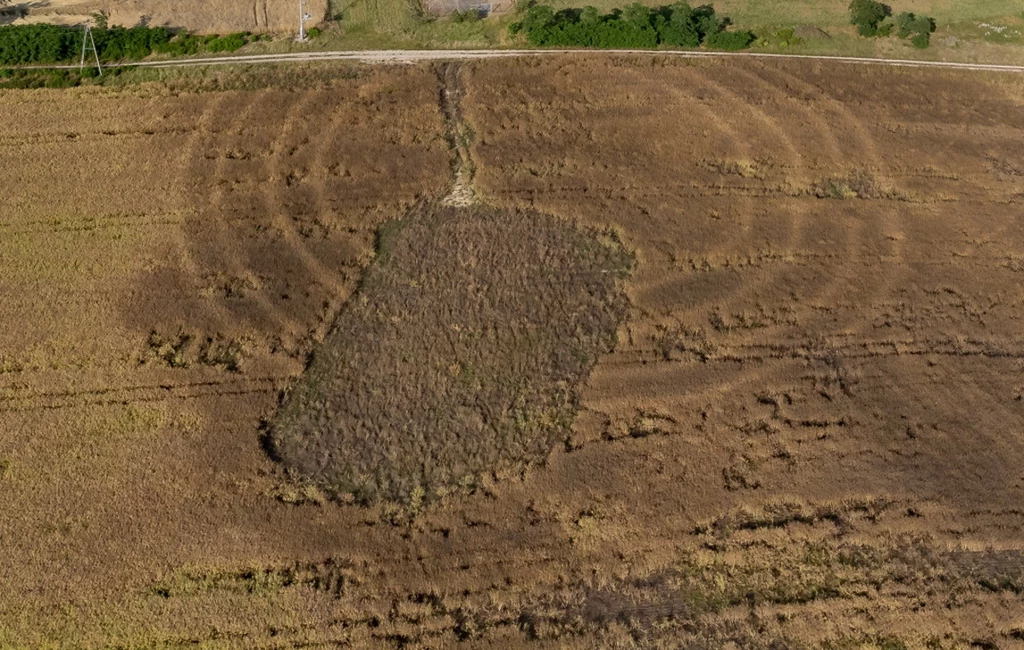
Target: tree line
635,26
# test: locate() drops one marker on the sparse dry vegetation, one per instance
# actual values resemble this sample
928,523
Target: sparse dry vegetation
460,354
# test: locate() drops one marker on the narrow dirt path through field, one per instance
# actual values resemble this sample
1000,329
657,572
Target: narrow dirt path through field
458,135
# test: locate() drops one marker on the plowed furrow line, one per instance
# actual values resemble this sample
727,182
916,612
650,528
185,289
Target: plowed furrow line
784,351
134,400
35,140
20,398
90,227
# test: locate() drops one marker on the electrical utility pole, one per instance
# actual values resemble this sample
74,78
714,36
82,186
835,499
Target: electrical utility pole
89,43
303,17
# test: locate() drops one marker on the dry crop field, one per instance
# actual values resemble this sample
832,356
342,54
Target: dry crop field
808,434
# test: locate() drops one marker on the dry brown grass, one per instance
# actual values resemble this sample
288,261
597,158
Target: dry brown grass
850,368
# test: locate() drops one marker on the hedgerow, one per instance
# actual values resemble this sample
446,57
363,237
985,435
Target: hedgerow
635,26
37,44
46,44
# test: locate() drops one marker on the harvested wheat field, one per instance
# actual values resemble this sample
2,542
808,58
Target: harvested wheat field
752,379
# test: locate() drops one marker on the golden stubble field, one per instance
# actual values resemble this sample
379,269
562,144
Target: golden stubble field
810,432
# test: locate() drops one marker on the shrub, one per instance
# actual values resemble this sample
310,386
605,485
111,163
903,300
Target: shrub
467,16
39,78
866,29
100,18
909,24
729,40
919,28
867,15
59,79
924,25
314,32
903,22
228,43
119,43
180,45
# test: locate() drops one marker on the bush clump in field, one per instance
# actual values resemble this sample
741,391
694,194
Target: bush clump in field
872,18
782,38
857,184
460,355
636,26
918,28
467,16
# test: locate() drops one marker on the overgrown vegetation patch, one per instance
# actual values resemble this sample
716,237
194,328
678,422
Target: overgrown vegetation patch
460,354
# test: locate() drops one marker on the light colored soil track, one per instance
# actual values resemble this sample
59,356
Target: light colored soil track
409,56
413,56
